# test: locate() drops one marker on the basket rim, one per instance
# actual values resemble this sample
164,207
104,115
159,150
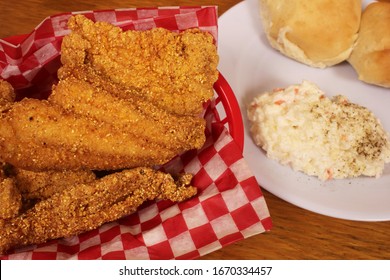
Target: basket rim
232,110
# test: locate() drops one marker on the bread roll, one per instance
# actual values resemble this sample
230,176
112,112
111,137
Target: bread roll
371,55
319,33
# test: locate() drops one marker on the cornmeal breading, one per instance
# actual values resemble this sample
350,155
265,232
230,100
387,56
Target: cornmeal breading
42,185
141,118
39,136
84,207
10,199
173,71
2,171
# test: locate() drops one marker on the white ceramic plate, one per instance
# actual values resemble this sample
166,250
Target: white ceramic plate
251,67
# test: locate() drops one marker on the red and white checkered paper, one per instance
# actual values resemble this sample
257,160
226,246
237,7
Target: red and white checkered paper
229,205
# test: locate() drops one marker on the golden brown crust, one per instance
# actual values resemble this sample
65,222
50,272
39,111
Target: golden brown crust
10,199
37,135
42,185
85,207
7,95
142,118
319,33
173,71
371,55
2,170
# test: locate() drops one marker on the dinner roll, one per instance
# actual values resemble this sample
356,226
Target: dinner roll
318,33
371,55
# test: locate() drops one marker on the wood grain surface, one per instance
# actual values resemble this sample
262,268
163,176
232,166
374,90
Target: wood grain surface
297,233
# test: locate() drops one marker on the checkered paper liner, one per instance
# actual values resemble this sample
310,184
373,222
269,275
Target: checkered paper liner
229,206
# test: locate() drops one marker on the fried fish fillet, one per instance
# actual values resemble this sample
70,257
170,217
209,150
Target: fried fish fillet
174,71
85,207
37,135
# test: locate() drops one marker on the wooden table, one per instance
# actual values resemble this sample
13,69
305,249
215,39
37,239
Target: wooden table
297,233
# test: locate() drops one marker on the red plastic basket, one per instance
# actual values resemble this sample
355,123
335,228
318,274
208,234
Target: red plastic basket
228,191
232,110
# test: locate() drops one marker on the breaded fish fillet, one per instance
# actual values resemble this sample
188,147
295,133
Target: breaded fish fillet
37,135
175,71
85,207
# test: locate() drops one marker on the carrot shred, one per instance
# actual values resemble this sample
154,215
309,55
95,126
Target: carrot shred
329,172
279,102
